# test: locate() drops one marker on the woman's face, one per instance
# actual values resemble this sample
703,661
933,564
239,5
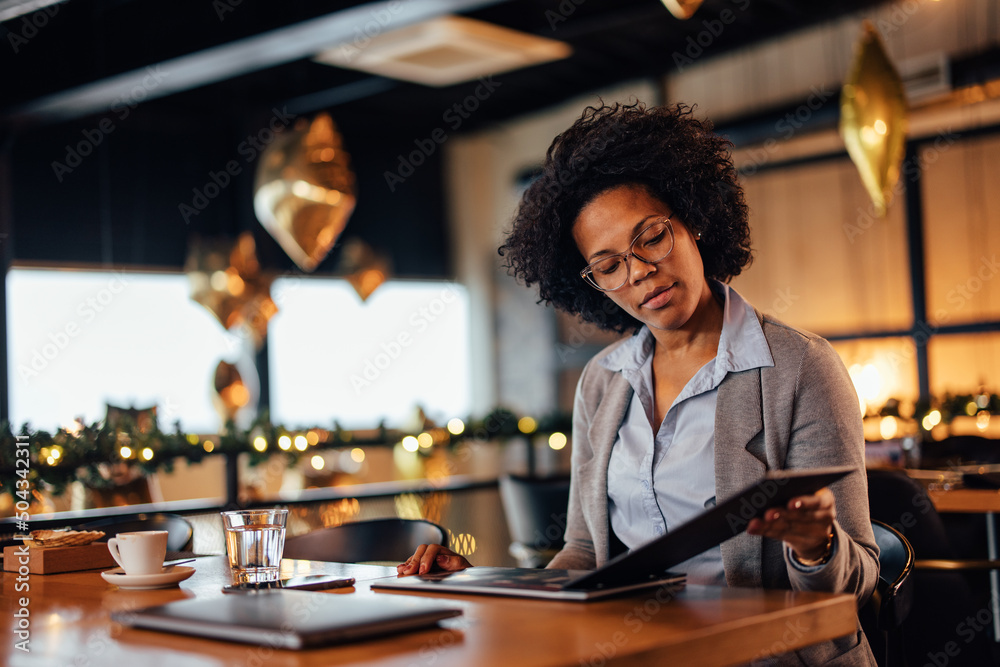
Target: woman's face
663,295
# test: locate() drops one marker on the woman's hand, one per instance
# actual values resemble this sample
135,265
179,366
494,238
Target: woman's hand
432,558
805,524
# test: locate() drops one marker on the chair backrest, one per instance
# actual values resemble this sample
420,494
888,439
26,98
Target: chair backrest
893,596
882,617
535,508
180,533
362,541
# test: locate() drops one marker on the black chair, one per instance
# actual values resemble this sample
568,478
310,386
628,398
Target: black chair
180,533
883,616
535,508
366,541
947,590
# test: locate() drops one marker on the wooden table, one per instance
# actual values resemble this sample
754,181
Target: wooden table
978,501
702,625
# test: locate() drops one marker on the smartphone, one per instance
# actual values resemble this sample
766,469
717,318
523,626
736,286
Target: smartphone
306,582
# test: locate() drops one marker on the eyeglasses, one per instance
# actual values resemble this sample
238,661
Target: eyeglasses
652,245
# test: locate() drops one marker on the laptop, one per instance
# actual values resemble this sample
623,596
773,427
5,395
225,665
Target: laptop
290,619
645,567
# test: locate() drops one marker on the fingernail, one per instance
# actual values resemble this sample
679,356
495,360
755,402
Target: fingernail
423,568
798,504
442,559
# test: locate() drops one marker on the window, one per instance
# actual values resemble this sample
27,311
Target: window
336,358
79,339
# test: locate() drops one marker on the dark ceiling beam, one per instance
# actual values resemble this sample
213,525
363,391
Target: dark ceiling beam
275,47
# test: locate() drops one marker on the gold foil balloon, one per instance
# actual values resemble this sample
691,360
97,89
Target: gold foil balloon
873,118
229,394
682,9
365,269
304,191
228,282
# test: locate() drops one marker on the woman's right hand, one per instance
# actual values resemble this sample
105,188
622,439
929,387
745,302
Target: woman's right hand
432,558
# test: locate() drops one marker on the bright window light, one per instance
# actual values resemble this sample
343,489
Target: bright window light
80,339
336,358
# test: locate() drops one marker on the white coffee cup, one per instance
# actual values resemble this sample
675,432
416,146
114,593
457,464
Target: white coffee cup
141,552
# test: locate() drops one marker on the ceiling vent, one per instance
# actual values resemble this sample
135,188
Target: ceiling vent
925,78
445,51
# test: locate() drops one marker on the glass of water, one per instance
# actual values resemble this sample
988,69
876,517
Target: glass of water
254,542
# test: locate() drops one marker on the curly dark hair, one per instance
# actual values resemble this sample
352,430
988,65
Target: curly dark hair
666,149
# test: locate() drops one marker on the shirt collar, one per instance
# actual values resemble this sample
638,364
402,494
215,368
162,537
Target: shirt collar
742,345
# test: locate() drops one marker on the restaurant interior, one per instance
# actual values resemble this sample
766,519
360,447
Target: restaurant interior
250,259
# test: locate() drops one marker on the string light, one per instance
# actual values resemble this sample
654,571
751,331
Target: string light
557,441
285,443
260,443
526,425
410,443
456,426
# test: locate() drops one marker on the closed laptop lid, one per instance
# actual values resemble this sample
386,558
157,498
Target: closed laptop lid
290,619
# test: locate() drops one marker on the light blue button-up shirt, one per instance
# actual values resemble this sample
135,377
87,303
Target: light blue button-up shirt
659,482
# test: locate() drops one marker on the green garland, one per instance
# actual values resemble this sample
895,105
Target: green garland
90,453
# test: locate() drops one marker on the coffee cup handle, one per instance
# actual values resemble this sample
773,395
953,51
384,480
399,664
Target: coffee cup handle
113,548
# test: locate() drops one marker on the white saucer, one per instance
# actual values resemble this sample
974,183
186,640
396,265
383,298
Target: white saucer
139,582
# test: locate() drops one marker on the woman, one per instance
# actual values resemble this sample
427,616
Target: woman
636,224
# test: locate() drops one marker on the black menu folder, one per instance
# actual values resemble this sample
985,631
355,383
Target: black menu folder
645,567
290,619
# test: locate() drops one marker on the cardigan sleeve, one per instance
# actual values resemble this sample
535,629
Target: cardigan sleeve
826,430
578,552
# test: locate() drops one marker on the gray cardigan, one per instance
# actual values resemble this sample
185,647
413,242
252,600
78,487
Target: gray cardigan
800,413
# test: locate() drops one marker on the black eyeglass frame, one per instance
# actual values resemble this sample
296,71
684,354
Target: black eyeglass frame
588,271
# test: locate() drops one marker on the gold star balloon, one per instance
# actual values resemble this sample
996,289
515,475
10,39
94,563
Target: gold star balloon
682,9
226,279
363,267
873,118
229,392
304,192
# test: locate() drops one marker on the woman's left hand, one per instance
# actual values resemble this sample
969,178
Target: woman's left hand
805,524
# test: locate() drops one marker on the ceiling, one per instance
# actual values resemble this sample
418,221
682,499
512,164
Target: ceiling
189,58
